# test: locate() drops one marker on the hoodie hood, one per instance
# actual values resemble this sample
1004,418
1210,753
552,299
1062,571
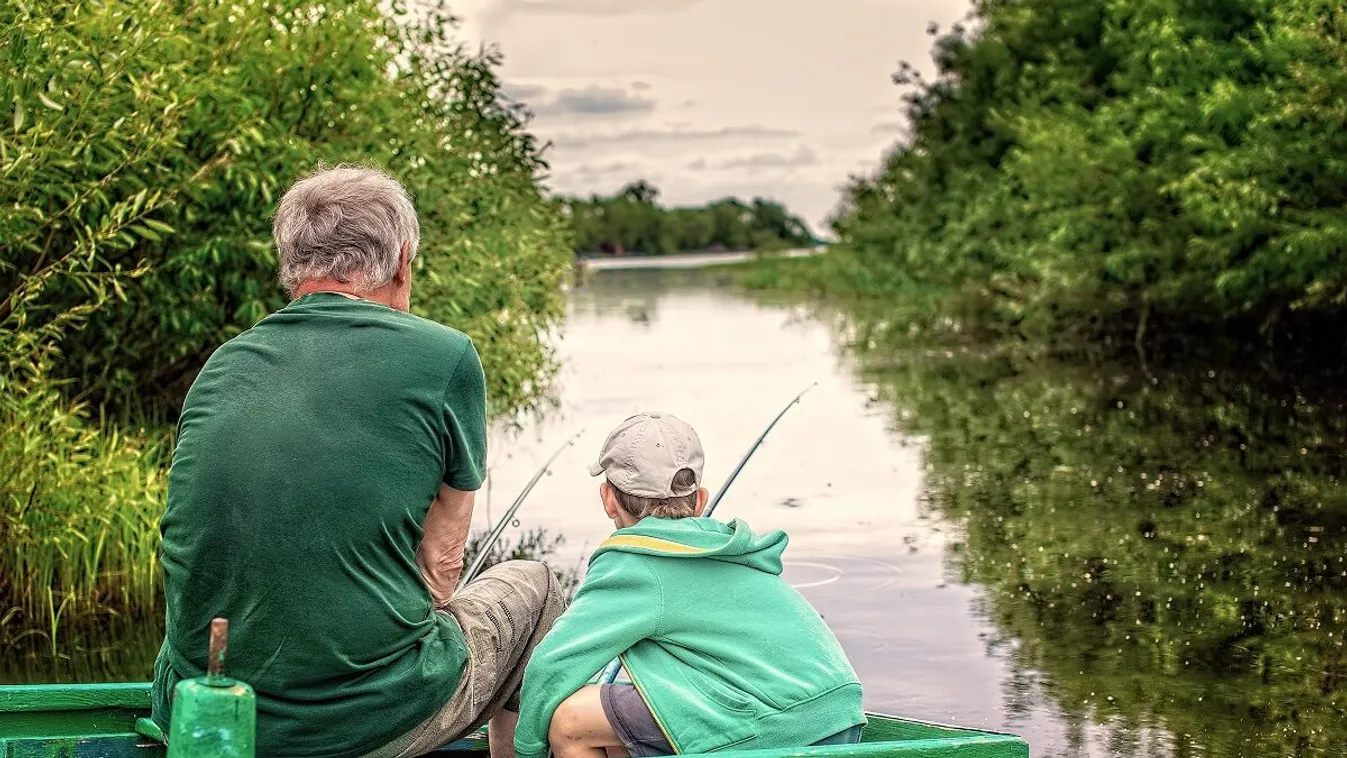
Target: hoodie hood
700,538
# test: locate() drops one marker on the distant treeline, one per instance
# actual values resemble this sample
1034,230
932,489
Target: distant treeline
631,221
1116,161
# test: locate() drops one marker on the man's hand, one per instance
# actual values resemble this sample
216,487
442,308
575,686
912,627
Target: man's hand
445,533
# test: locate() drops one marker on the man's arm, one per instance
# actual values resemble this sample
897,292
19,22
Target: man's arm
445,529
445,532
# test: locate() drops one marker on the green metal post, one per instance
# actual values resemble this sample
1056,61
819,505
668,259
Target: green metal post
213,716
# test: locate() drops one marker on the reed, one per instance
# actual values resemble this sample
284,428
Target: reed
79,527
82,498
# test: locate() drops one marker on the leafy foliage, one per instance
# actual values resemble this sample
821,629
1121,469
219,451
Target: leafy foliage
143,146
1113,159
143,174
632,222
1162,545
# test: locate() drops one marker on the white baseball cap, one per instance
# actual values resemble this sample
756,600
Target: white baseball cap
642,455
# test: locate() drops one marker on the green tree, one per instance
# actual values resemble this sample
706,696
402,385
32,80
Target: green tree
143,173
1081,160
633,221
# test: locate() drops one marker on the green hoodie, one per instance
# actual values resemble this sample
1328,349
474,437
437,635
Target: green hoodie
724,651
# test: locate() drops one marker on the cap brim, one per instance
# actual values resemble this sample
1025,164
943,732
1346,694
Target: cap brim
596,469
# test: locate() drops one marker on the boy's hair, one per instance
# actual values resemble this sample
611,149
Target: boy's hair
667,507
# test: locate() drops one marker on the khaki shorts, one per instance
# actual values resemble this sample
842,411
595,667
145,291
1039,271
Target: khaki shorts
504,614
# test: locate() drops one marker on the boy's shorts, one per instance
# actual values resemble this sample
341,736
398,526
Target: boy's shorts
635,725
631,718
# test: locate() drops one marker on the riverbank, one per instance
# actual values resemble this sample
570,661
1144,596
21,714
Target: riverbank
139,240
589,264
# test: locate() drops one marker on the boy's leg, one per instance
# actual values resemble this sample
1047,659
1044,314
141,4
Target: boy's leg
580,728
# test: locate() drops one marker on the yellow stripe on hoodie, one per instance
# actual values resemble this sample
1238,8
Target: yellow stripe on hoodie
651,543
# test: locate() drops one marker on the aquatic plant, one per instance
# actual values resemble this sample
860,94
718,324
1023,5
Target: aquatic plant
535,544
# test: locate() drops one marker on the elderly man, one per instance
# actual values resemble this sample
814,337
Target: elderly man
320,496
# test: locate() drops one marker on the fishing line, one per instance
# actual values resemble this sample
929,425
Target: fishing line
711,507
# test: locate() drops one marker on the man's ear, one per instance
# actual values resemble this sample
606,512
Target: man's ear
702,497
404,271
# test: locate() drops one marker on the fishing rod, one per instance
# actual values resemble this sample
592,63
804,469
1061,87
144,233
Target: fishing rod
609,672
485,549
711,507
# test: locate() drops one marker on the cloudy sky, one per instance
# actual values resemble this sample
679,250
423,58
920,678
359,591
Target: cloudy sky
709,98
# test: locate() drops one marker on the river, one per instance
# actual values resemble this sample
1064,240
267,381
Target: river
1104,556
1107,560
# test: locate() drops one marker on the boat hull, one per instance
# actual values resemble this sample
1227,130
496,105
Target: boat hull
100,721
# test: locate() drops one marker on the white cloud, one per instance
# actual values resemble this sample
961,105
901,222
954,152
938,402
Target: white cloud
676,136
583,102
783,98
803,156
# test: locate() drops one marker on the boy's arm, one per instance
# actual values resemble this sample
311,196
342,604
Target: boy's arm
619,605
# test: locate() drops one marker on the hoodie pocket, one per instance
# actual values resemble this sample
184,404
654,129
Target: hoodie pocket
711,715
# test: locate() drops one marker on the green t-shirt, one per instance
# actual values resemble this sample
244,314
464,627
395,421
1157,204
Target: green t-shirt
309,450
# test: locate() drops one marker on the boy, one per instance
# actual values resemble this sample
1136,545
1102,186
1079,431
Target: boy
721,651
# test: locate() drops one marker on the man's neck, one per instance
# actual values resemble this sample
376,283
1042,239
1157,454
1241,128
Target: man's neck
382,295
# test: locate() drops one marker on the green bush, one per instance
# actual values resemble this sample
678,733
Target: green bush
148,143
143,146
1115,159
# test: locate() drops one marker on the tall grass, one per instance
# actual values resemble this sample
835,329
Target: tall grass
79,533
79,527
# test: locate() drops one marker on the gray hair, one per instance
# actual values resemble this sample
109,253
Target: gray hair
345,223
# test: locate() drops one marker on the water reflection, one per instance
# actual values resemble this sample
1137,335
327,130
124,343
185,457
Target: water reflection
865,549
1163,550
1107,561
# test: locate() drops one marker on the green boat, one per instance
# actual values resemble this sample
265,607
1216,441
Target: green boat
109,721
